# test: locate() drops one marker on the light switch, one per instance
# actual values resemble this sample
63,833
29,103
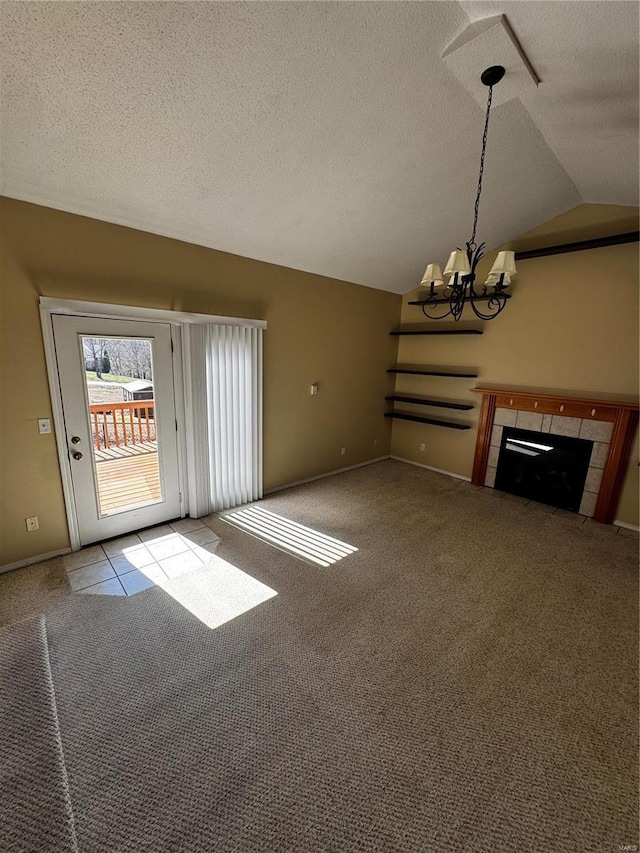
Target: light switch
44,426
313,389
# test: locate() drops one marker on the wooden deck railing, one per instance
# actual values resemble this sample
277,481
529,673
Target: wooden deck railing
118,424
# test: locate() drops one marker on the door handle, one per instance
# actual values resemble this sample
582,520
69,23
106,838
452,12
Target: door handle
75,439
77,455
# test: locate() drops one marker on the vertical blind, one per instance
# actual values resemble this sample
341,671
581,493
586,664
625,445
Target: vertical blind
224,416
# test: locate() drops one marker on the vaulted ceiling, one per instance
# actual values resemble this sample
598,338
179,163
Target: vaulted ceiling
329,137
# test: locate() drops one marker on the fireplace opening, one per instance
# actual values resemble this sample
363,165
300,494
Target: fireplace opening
550,469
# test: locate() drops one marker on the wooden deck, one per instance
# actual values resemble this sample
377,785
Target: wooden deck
129,481
125,451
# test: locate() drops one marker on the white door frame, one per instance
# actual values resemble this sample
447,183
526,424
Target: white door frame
177,320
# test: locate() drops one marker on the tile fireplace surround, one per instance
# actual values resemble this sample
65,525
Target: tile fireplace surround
609,423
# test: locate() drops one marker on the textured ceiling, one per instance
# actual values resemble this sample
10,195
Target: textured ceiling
586,54
328,137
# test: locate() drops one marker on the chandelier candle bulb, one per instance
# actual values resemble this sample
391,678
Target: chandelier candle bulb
503,279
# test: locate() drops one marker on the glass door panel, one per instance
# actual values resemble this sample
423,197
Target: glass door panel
121,411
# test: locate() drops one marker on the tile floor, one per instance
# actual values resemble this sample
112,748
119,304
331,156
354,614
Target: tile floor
135,562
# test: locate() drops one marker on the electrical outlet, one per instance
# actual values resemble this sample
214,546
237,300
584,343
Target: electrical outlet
423,447
375,442
343,451
32,523
44,426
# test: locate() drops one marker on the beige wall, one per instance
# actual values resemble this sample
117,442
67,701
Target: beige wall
572,324
319,330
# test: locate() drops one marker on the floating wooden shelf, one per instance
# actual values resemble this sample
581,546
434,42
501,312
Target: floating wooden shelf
425,370
408,416
409,331
429,401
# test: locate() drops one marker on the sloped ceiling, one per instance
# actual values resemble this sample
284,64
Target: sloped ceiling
328,137
586,55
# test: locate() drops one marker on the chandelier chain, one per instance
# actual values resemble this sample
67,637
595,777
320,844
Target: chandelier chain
472,242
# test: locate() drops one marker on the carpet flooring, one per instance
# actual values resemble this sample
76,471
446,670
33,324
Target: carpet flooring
32,590
36,812
465,681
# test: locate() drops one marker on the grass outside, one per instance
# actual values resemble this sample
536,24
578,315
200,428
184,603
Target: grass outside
108,392
108,377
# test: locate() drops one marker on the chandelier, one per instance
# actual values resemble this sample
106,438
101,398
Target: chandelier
450,299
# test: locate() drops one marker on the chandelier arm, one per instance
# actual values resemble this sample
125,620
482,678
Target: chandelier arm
458,298
485,135
432,303
476,294
495,306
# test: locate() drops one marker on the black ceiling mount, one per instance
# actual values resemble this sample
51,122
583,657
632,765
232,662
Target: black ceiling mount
493,75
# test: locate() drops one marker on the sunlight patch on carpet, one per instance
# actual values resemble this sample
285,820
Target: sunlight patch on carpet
212,589
218,593
303,542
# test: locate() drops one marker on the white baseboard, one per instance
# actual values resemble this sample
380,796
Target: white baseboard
624,524
328,474
431,468
20,564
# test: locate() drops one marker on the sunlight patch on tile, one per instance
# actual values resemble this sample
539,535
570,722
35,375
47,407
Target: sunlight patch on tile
303,542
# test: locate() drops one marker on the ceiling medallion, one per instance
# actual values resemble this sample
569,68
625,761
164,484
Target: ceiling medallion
461,266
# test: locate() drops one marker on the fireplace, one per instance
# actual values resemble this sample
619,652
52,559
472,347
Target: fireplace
608,425
551,469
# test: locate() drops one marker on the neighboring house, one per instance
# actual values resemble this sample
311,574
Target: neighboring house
139,389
